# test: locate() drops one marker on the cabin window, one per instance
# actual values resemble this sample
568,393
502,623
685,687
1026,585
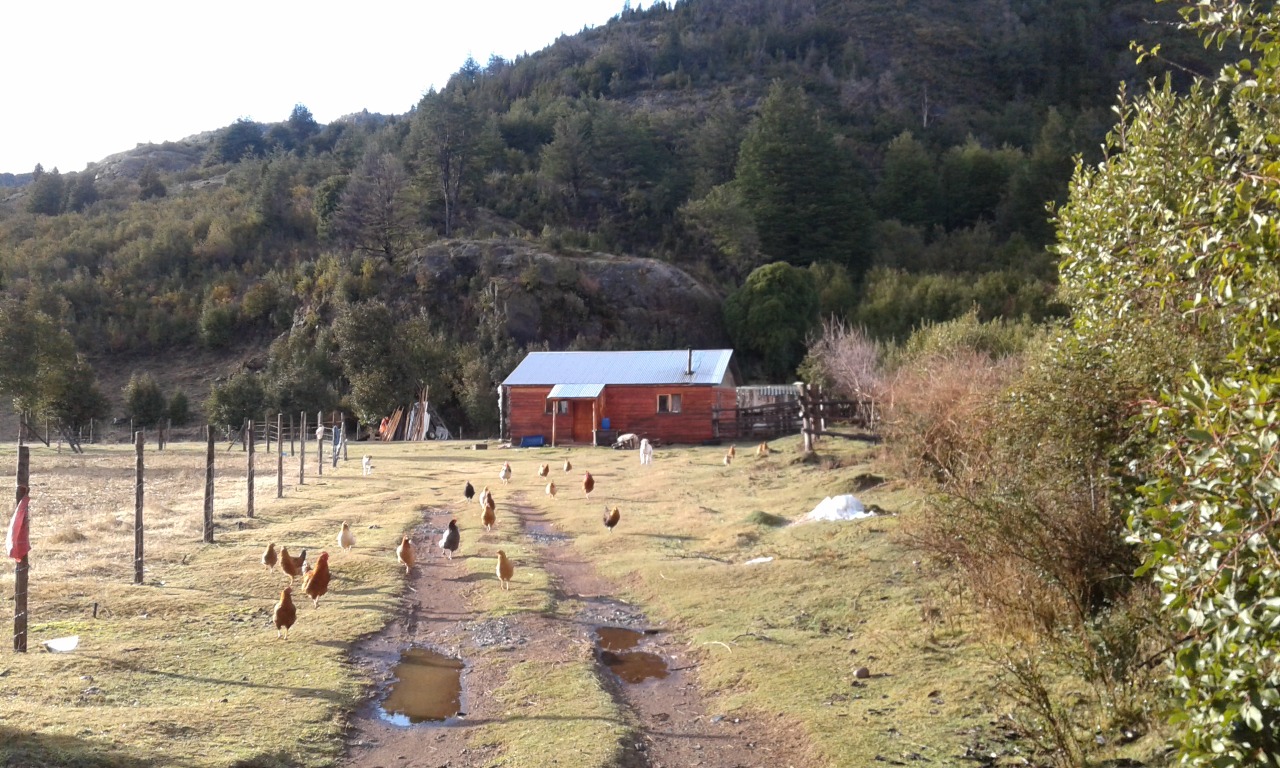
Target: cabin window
561,407
668,403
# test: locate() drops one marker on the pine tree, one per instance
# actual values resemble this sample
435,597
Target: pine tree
799,187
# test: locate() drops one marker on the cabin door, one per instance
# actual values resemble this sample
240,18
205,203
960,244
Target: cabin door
582,420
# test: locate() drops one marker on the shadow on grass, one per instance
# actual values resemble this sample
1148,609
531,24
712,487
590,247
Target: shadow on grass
24,748
292,690
668,536
470,577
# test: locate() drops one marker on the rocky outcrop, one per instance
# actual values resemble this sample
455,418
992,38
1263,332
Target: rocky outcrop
169,157
582,299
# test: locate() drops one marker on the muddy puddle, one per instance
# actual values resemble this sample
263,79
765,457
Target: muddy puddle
427,689
616,648
542,532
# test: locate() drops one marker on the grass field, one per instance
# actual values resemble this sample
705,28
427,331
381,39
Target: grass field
185,669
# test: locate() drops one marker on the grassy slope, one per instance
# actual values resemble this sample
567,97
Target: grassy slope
187,666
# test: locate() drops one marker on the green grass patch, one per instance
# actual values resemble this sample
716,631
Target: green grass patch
560,709
767,519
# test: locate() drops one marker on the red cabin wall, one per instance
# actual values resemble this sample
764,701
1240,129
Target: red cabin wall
631,408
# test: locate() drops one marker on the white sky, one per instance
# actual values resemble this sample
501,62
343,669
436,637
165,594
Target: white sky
84,79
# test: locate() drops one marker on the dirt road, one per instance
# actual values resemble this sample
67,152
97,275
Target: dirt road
668,723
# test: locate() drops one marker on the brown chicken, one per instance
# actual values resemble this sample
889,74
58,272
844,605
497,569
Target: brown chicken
762,450
611,518
269,557
544,470
316,584
292,566
404,553
551,489
588,483
733,452
506,569
285,613
567,465
490,517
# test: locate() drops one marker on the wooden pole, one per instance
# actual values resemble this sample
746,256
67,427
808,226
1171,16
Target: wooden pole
319,443
279,457
137,508
806,417
266,423
555,406
250,482
302,452
91,431
22,573
291,447
208,486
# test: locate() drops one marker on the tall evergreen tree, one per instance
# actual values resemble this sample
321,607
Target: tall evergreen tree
908,188
799,186
446,133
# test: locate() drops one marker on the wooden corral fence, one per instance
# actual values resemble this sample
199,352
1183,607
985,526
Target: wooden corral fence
810,415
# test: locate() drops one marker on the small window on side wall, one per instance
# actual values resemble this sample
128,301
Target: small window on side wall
561,407
668,403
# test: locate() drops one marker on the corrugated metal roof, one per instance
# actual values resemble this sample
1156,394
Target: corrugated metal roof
658,367
575,391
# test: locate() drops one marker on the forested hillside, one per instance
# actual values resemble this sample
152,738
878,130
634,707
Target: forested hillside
884,162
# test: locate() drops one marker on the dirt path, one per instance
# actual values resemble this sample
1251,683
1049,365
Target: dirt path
672,725
675,726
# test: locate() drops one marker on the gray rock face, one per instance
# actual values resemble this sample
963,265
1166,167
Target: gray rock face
584,300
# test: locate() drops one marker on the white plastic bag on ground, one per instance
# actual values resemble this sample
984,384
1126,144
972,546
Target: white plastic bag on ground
844,507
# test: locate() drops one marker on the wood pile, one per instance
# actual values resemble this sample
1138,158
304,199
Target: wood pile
412,423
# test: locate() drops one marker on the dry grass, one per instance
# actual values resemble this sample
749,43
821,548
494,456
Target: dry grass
186,666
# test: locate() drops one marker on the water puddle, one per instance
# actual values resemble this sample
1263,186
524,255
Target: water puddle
542,532
428,689
615,647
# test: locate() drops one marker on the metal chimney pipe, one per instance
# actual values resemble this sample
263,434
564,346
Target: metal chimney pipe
689,367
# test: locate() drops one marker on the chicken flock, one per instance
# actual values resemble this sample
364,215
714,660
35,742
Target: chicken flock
316,577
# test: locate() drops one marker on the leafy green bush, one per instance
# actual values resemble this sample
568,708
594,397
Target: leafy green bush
179,410
144,400
242,397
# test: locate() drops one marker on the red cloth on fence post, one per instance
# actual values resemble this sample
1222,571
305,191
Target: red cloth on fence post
18,542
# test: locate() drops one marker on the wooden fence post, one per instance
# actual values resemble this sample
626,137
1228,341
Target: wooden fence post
266,423
319,443
208,486
279,457
291,448
137,508
250,487
22,573
302,452
806,418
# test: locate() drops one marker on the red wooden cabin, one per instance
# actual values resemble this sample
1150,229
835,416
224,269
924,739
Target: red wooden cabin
578,397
